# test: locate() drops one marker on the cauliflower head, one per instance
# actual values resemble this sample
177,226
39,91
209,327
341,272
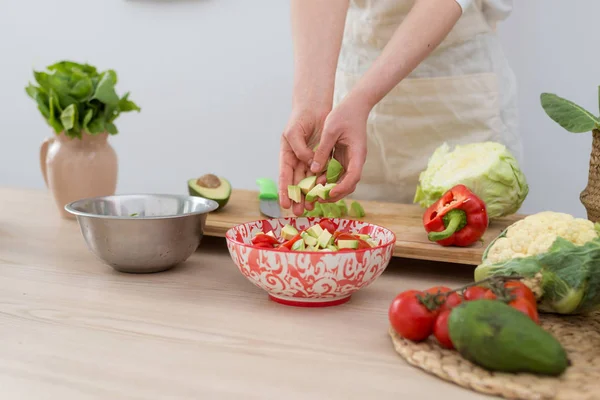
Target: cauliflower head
535,234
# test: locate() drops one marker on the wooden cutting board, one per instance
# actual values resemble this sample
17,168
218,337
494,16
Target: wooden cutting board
403,219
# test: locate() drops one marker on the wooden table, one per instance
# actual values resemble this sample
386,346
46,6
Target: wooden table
73,328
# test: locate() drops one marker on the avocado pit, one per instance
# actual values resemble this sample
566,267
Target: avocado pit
209,181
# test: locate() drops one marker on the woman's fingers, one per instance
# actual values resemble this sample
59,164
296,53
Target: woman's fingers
299,174
287,161
347,185
328,140
296,139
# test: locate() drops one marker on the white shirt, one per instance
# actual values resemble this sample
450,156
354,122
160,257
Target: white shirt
494,10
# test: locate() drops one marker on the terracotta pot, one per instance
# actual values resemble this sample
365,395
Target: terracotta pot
76,168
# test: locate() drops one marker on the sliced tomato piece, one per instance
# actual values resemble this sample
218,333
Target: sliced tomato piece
290,242
264,238
363,244
345,236
264,245
328,225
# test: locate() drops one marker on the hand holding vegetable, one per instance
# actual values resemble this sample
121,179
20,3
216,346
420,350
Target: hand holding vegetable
345,130
301,133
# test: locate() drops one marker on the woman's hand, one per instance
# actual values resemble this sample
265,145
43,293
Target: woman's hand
298,139
344,133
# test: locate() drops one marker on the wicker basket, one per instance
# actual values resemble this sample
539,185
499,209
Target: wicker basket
590,196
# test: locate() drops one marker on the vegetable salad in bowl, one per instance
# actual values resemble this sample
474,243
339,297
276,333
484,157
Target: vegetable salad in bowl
310,261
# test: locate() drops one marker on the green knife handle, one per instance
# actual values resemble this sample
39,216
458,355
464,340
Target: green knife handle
268,189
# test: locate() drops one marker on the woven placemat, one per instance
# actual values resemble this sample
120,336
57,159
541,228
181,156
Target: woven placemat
579,335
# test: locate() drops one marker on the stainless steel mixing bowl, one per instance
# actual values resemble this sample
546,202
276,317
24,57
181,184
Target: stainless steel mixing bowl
142,233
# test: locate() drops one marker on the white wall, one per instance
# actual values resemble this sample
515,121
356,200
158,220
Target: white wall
208,72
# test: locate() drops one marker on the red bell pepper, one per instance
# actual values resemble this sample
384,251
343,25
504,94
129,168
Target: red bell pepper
458,218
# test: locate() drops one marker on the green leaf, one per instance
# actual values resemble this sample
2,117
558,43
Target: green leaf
96,126
69,117
41,99
567,114
53,111
87,118
126,105
69,66
105,91
83,88
54,99
111,128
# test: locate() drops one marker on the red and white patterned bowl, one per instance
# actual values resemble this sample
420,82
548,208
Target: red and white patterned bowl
309,279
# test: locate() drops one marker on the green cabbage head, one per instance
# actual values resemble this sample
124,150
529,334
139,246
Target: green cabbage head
488,169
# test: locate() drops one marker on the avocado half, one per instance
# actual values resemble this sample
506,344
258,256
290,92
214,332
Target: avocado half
211,187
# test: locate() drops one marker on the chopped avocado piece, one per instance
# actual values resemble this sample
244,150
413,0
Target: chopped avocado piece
315,231
326,189
363,236
332,247
211,187
310,248
331,210
316,211
307,184
347,244
315,192
294,193
356,210
343,207
325,238
334,211
309,240
372,243
325,249
288,232
298,245
334,170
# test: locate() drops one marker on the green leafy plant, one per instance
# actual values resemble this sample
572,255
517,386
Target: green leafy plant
569,115
76,99
577,119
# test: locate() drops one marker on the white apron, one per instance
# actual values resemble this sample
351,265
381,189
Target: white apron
463,92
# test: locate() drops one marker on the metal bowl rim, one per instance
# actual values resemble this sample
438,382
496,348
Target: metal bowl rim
211,206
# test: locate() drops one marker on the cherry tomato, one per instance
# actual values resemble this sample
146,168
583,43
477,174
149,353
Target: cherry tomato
264,238
489,295
452,300
328,225
520,290
474,293
282,248
438,289
410,318
526,308
440,330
